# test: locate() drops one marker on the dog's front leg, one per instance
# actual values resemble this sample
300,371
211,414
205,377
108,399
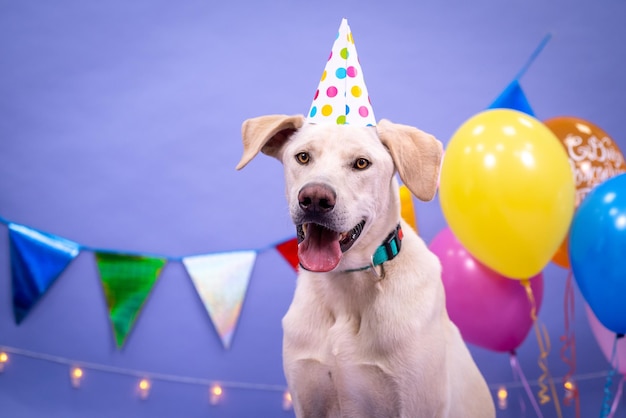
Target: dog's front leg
312,389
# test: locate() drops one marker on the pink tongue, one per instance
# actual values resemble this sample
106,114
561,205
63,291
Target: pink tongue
320,249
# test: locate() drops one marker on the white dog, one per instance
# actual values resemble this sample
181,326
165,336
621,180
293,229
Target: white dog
367,333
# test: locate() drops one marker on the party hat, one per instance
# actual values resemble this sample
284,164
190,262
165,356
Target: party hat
341,97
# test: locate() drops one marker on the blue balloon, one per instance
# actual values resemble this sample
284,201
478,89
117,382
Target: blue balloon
597,250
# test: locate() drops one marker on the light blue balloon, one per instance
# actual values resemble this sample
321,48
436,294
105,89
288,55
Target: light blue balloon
597,250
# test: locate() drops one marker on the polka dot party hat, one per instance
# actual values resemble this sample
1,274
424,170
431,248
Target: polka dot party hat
341,97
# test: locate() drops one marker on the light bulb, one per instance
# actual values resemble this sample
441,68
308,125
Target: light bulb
76,376
570,390
4,358
502,397
216,393
144,388
287,401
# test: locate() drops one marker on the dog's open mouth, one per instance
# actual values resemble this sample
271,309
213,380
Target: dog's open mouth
320,248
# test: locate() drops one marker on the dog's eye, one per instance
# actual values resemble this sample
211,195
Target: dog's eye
303,158
361,164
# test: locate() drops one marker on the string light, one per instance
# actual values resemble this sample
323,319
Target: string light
216,391
144,388
4,358
287,401
215,394
570,389
76,376
503,396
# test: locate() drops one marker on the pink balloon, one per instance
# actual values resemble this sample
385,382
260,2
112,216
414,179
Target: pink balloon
490,310
605,339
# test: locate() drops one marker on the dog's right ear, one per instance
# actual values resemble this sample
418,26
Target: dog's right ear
267,134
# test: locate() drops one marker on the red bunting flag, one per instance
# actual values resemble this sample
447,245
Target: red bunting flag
289,251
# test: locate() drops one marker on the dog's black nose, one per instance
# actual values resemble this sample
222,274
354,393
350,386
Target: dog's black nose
317,198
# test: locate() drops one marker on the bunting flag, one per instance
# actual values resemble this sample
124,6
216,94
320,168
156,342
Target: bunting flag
513,97
37,259
127,280
221,281
289,251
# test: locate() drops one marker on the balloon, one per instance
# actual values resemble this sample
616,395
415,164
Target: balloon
507,191
406,207
605,339
597,249
594,157
490,310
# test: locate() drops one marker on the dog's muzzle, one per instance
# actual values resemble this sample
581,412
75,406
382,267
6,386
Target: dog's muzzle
320,244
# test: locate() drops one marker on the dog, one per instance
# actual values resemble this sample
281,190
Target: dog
367,333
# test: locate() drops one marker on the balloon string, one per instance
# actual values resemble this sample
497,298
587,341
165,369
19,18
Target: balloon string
517,371
518,379
606,407
569,343
543,340
533,56
618,396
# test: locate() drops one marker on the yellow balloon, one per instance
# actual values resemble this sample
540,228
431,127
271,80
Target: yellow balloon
406,207
507,191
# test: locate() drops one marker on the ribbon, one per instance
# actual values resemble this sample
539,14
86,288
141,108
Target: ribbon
618,396
517,372
543,340
569,343
607,409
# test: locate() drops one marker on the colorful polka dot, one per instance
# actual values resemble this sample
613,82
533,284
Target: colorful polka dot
341,96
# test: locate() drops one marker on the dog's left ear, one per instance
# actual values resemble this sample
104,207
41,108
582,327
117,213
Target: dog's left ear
416,154
267,134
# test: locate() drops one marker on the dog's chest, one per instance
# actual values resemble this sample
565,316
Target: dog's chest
342,375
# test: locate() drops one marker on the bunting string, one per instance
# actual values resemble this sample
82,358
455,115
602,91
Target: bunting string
127,278
542,44
221,279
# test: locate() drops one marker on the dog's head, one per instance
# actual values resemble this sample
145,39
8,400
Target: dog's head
340,182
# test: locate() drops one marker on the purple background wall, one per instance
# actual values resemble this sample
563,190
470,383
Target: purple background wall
120,129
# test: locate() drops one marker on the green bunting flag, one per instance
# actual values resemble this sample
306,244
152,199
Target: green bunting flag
127,280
